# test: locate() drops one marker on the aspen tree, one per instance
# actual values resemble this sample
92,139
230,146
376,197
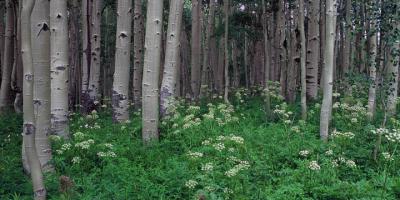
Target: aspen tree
326,108
373,48
196,49
29,117
7,59
168,85
120,91
95,37
40,37
313,48
87,6
393,69
151,70
347,38
303,61
226,67
138,50
59,67
267,61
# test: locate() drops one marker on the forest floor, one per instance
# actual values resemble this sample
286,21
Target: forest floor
215,151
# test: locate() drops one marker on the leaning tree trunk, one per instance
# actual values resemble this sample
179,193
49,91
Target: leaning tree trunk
151,70
95,37
7,59
313,49
29,117
169,82
303,61
40,38
59,67
138,46
331,13
226,68
120,91
196,49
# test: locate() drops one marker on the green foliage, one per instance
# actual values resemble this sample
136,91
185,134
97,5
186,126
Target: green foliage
217,151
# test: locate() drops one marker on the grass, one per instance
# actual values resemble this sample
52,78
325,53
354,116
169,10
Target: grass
259,159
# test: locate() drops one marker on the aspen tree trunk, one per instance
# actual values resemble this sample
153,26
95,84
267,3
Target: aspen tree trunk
29,127
7,59
169,81
40,38
185,55
120,92
151,70
322,37
138,45
303,61
235,65
59,67
75,75
372,70
2,16
219,74
313,51
226,68
95,37
393,71
17,72
267,60
347,39
246,61
205,77
196,49
331,13
86,50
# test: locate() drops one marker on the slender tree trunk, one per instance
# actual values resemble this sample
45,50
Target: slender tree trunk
29,117
372,70
2,37
151,72
393,71
347,39
169,81
219,74
226,68
87,7
246,61
331,13
7,59
313,49
196,49
122,62
40,38
17,72
235,65
205,77
75,76
138,45
95,37
303,61
267,60
59,67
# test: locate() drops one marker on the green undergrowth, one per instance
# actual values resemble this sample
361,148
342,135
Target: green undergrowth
215,151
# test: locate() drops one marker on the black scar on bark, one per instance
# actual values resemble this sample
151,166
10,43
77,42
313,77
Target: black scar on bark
29,128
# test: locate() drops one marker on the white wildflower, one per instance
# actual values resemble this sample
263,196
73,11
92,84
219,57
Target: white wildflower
207,167
191,184
195,154
304,153
219,146
351,163
387,156
76,160
314,166
329,152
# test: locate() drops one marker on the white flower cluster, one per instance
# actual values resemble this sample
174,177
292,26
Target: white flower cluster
79,135
237,168
55,138
190,121
342,160
329,152
76,160
207,167
84,144
219,146
393,136
387,156
195,154
314,166
64,147
191,184
337,134
295,129
193,109
108,154
380,131
304,153
108,145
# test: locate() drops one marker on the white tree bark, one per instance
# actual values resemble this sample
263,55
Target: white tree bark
303,61
8,56
226,68
59,67
196,49
326,109
40,38
313,48
151,70
122,62
168,85
94,76
393,71
138,45
372,70
29,117
267,57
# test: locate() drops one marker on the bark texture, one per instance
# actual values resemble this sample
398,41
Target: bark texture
196,49
303,58
29,117
151,70
313,49
226,68
169,81
326,108
138,46
120,92
59,67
